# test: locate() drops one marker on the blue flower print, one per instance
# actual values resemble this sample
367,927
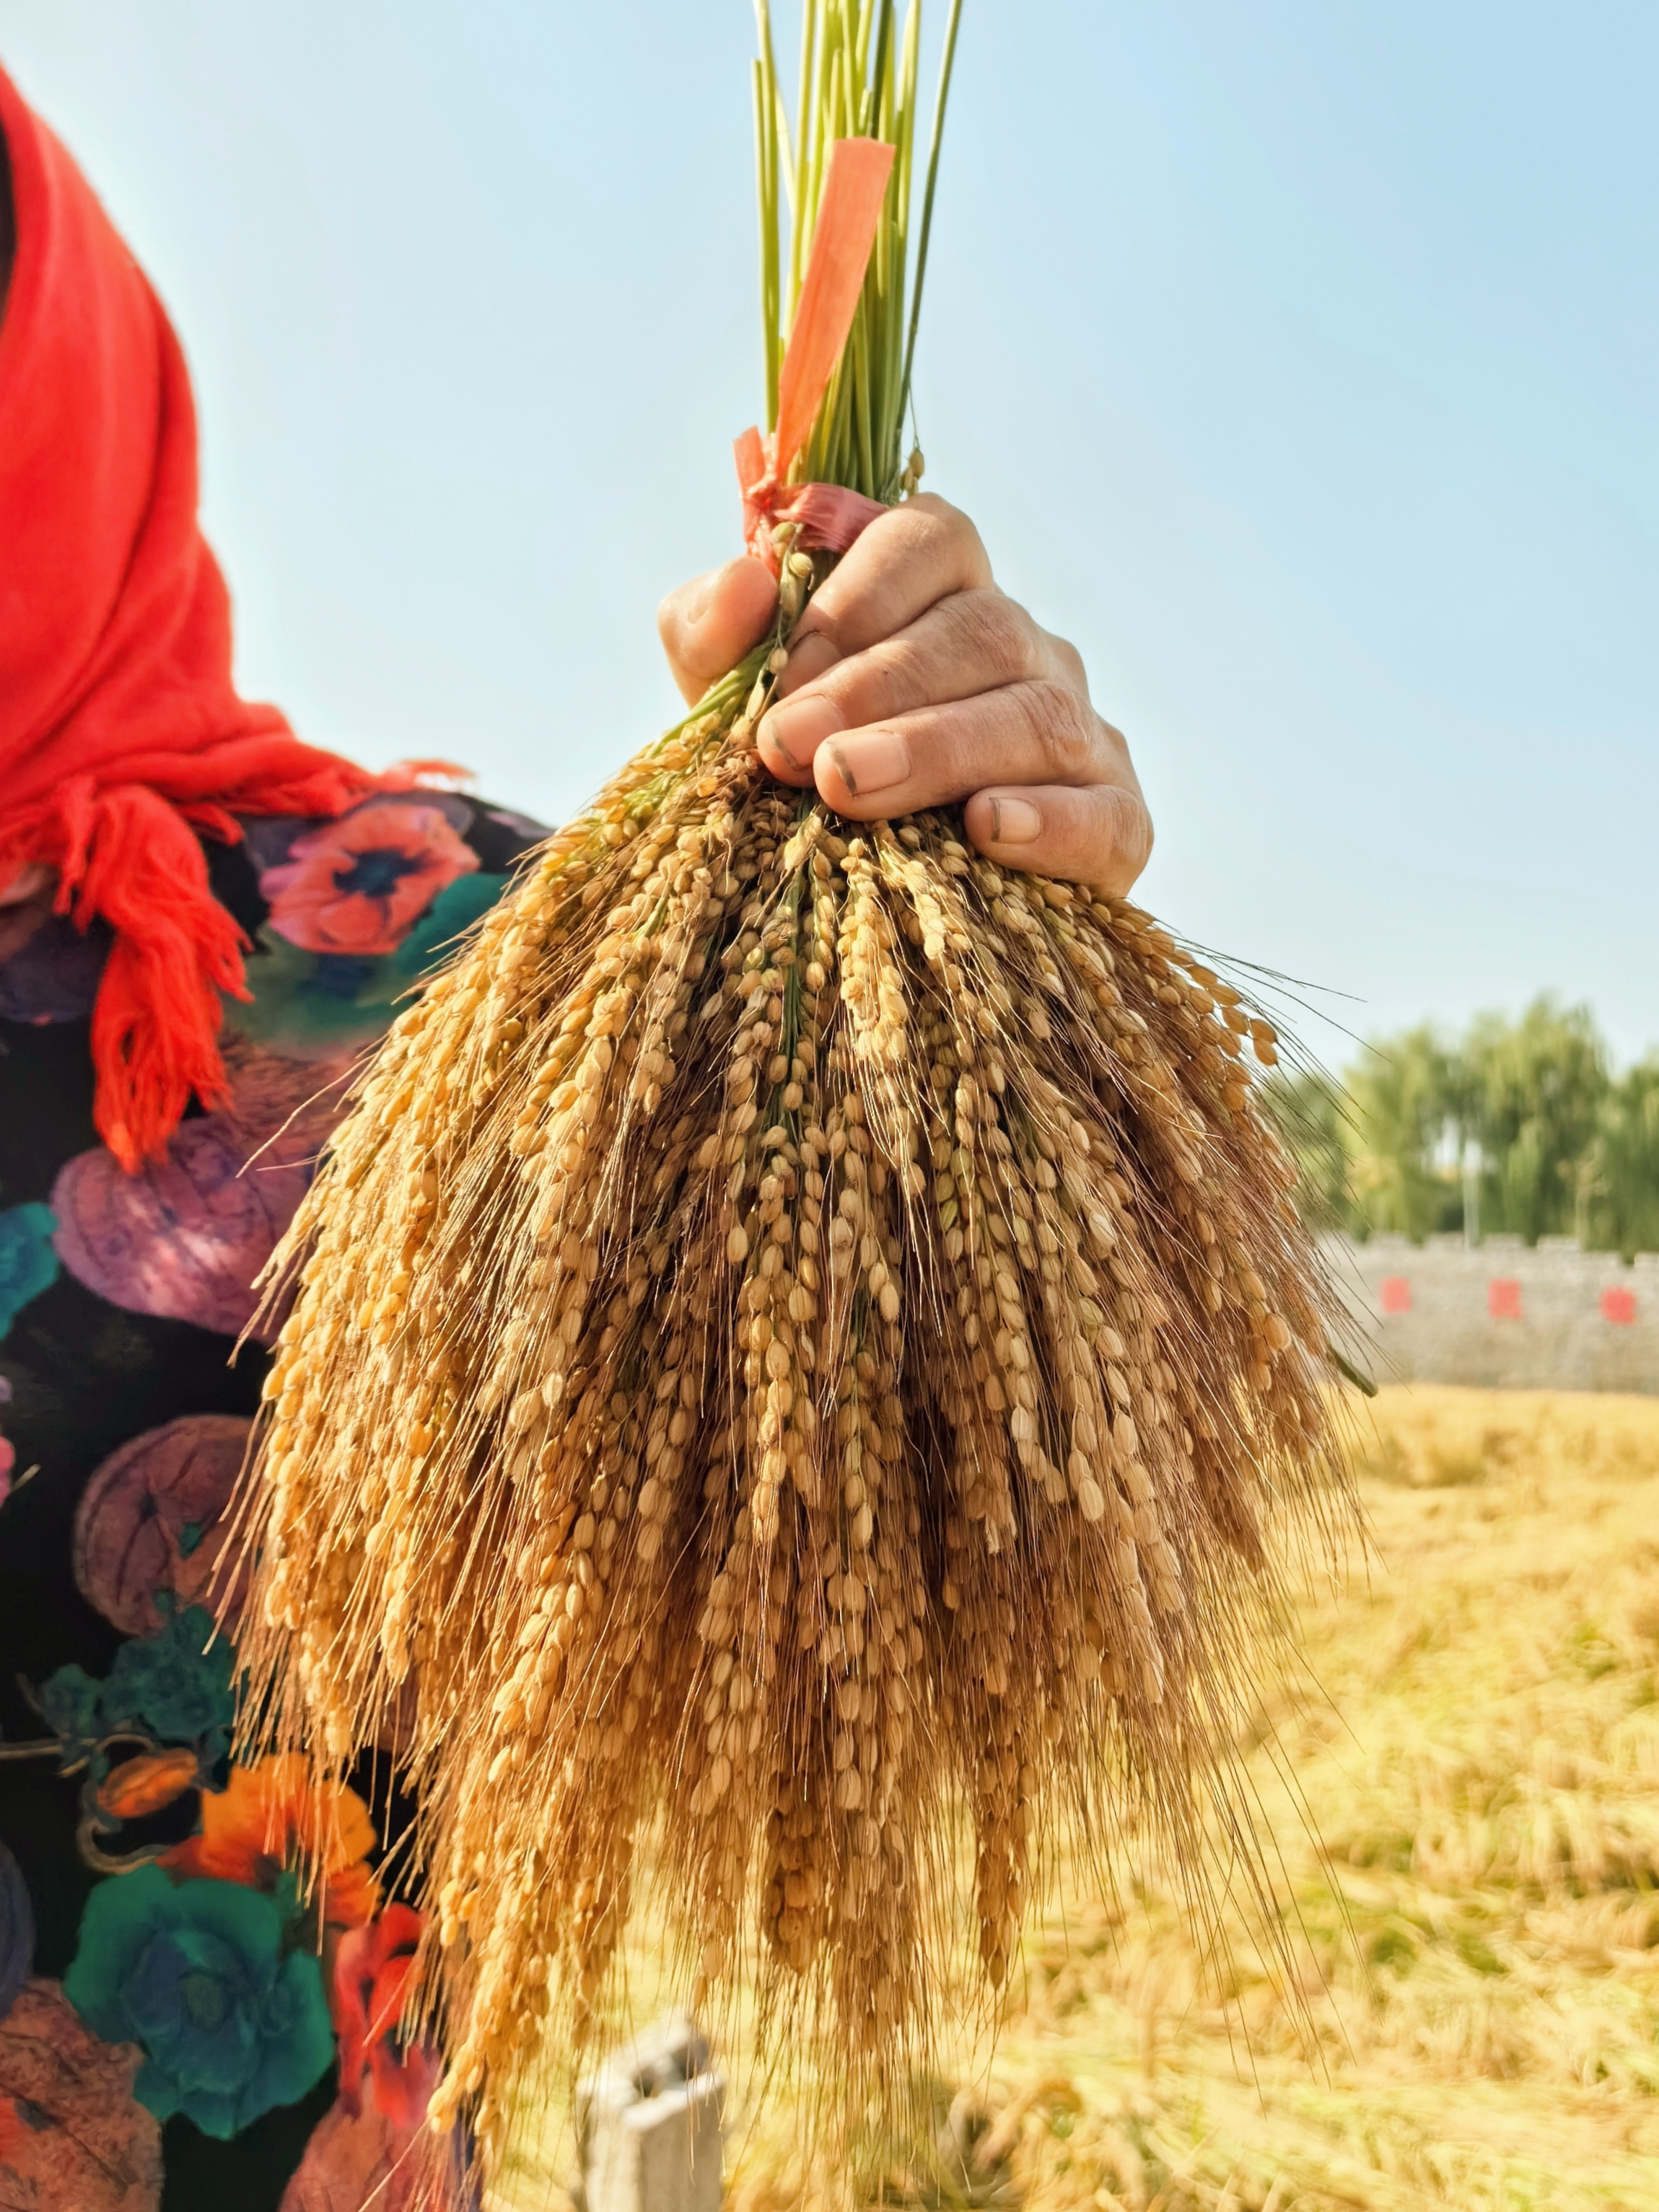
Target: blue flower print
28,1264
230,2022
456,909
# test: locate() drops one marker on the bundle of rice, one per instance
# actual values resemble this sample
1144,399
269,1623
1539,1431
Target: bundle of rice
798,1337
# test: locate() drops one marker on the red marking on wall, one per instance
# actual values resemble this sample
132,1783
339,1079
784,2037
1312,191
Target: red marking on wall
1396,1294
1618,1305
1504,1298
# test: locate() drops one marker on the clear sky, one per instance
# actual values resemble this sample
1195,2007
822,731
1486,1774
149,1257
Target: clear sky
1298,358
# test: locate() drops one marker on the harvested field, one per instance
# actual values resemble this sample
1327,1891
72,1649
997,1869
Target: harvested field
1473,2018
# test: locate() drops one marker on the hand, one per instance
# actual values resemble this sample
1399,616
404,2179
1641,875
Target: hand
914,682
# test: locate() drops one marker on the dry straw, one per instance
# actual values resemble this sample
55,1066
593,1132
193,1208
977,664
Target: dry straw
799,1340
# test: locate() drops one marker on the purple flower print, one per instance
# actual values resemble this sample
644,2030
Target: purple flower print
187,1236
151,1521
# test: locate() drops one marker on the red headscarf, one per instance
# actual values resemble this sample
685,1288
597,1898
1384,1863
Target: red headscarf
120,731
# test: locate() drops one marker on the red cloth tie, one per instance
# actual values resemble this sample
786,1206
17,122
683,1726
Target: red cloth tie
828,516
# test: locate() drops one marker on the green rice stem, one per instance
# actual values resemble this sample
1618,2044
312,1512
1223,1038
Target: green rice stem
857,75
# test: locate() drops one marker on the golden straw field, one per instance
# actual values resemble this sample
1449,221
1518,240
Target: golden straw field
1473,2016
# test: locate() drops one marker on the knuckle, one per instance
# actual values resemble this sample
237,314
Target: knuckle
1071,663
949,529
1121,840
1064,728
995,634
1138,825
883,679
936,509
918,522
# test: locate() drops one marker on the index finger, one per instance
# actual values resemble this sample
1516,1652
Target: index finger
908,558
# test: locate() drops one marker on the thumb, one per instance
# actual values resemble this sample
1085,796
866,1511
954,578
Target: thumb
708,625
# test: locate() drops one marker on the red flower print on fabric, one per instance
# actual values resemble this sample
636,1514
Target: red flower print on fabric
359,885
372,1970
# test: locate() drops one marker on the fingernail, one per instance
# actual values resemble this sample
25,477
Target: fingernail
1014,822
872,760
809,657
796,729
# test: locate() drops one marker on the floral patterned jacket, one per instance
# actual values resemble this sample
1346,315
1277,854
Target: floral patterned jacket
181,2026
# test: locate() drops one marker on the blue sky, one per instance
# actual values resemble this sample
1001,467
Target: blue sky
1297,358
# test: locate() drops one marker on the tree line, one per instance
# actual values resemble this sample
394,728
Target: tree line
1517,1126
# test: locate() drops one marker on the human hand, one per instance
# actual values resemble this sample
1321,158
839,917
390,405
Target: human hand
914,682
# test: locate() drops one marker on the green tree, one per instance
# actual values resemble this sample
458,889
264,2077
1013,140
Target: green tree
1313,1114
1524,1110
1623,1196
1534,1092
1409,1111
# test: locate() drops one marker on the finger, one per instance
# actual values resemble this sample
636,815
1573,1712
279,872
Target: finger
1038,731
894,571
1100,833
972,641
708,625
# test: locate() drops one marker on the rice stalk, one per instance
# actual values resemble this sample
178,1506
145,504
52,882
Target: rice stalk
797,1341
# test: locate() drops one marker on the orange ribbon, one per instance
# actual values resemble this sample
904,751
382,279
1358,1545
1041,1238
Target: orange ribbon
829,516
